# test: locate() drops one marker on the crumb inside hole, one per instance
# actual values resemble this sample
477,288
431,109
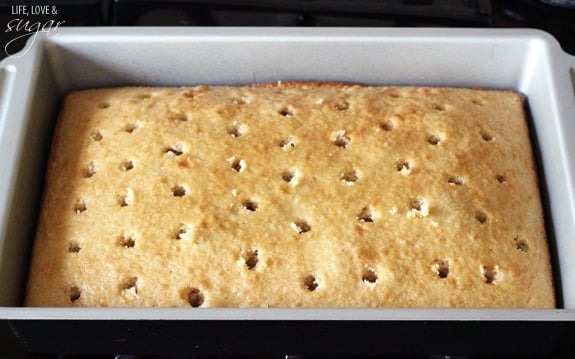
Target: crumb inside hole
455,181
418,208
441,268
403,167
250,205
341,105
490,274
91,170
485,136
74,294
175,150
369,276
341,140
521,244
195,297
131,285
96,136
310,282
128,241
238,165
288,176
251,258
74,247
80,206
287,144
179,191
481,217
183,232
387,125
350,177
301,226
291,176
104,105
286,112
128,165
131,127
367,215
237,130
500,178
417,204
127,199
434,140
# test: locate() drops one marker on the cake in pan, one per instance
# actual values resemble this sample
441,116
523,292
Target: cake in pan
291,195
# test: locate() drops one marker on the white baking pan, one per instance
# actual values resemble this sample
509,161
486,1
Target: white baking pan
33,82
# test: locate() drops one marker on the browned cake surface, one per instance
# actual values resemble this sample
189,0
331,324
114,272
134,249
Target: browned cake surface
289,195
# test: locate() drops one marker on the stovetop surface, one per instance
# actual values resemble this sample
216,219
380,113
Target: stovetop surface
16,18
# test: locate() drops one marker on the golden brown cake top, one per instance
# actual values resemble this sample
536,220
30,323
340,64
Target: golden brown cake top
289,195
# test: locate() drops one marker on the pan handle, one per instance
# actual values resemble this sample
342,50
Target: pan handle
570,60
7,75
572,75
567,61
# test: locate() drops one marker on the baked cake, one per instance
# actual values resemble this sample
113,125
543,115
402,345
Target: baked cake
291,195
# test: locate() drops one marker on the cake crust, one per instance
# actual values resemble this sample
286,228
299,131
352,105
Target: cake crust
291,194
